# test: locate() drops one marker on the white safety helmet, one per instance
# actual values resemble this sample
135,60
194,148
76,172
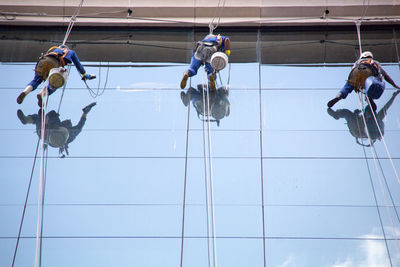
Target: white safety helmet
366,54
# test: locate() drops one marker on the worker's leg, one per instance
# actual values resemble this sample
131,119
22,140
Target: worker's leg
46,91
194,67
29,88
347,88
210,74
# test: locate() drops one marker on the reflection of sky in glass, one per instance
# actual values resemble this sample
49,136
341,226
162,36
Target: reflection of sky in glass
116,200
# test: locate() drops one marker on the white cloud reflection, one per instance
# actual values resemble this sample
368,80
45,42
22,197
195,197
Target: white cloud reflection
373,253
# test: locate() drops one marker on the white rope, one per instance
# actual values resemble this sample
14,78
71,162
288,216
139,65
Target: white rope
212,243
365,8
39,205
211,179
384,143
97,92
372,147
229,78
72,22
220,9
375,158
358,24
63,90
206,181
397,49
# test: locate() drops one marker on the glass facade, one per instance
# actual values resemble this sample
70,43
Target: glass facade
293,183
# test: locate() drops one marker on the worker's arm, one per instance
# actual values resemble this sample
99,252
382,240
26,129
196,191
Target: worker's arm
388,79
77,62
79,66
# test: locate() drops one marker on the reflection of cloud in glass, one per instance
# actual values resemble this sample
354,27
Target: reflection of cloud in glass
289,262
152,85
373,253
142,86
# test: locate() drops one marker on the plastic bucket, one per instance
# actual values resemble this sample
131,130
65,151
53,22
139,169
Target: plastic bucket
374,87
58,77
219,61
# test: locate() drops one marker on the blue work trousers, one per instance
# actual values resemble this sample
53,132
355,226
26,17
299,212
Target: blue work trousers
195,65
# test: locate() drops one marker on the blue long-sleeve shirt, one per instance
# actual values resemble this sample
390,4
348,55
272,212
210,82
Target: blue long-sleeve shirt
213,39
71,57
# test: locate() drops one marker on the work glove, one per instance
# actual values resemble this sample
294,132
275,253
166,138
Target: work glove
86,76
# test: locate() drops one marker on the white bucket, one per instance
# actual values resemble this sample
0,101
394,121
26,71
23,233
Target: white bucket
58,77
219,61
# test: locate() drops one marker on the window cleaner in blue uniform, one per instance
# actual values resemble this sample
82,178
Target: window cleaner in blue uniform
367,74
202,53
55,57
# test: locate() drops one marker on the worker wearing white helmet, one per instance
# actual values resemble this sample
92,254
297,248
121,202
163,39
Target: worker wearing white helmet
367,74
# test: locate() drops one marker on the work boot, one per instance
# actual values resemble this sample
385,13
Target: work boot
88,108
211,82
40,100
184,80
21,97
335,100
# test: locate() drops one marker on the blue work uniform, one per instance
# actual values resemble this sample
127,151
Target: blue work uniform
70,57
376,69
196,62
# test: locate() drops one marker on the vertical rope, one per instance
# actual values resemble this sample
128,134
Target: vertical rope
397,49
63,90
261,145
25,204
209,178
220,9
211,181
374,156
184,184
385,145
72,22
206,182
373,190
43,199
39,211
377,205
373,151
358,25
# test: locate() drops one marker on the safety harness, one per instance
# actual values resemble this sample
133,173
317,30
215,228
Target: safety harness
60,57
364,69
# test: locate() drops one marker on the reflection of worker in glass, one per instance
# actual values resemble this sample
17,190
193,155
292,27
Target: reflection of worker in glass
219,103
366,73
57,133
356,124
202,55
55,57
